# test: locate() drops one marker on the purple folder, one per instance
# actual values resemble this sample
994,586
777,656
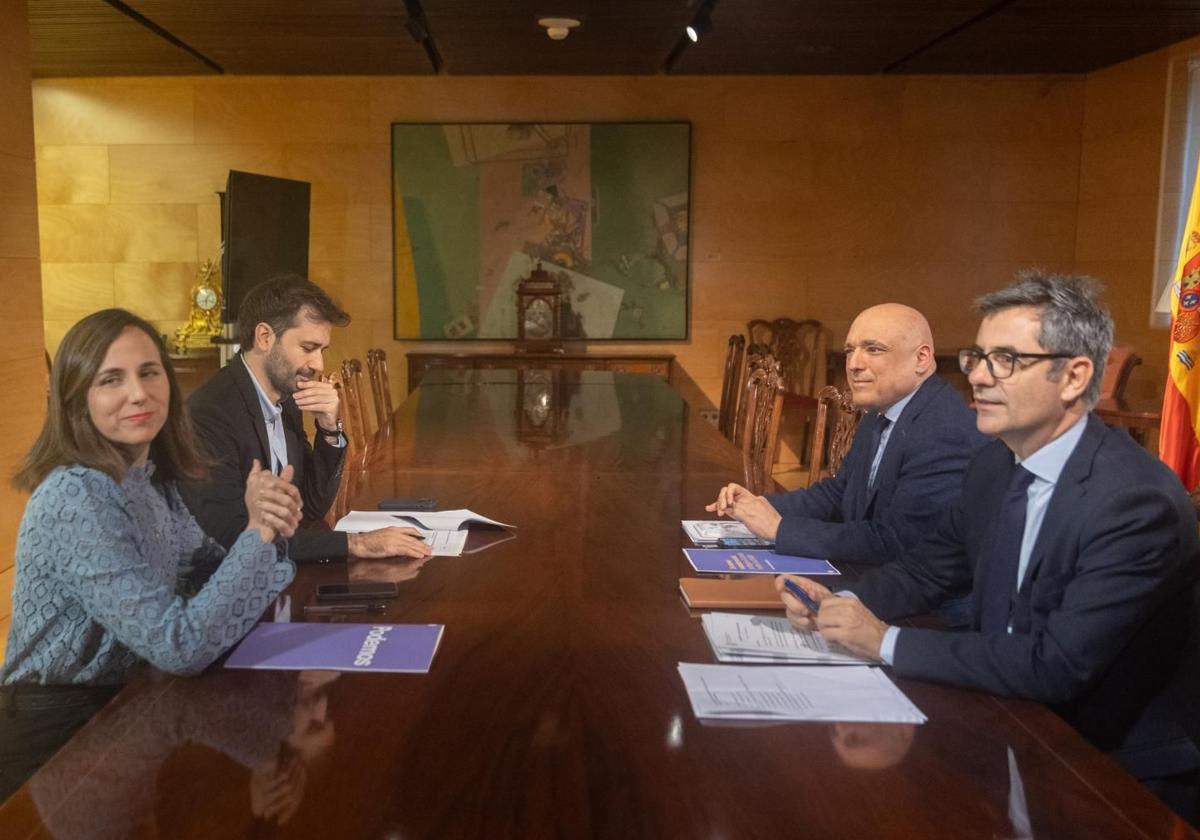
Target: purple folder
755,561
397,648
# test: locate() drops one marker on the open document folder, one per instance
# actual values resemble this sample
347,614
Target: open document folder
779,693
438,520
442,530
762,638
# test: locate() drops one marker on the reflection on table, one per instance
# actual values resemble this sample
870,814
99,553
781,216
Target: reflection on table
267,732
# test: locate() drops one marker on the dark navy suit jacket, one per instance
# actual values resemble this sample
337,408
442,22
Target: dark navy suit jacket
1103,625
839,518
229,422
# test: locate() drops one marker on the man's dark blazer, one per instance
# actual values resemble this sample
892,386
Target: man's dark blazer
1103,625
228,418
839,518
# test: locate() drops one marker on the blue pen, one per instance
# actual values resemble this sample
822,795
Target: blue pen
806,599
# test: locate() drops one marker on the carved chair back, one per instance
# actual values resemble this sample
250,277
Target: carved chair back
833,432
731,385
381,388
758,429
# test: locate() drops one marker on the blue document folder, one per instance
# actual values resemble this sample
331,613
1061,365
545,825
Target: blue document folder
755,561
400,648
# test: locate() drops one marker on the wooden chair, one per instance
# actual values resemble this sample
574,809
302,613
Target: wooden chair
800,349
381,389
754,361
758,429
760,336
355,421
799,346
1121,361
833,432
731,385
350,468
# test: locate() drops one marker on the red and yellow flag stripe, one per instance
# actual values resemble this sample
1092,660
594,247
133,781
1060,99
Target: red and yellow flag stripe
1179,434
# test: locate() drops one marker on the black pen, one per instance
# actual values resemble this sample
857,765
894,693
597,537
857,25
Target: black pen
319,609
804,598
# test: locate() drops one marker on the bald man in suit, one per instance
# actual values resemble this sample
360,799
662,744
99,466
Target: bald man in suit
904,467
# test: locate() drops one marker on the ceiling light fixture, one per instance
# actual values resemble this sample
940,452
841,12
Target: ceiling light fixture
418,27
701,24
558,28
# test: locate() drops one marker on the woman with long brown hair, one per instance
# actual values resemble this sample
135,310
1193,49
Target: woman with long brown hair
112,571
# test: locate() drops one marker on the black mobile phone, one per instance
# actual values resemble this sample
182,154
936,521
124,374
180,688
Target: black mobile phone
422,503
743,542
366,590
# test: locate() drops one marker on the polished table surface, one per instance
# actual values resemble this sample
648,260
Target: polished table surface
553,707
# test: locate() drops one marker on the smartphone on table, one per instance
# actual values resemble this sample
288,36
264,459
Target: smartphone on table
421,503
744,542
366,590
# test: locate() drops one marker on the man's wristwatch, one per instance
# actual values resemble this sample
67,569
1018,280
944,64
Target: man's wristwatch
335,437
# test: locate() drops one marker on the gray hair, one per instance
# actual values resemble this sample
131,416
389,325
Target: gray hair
1074,320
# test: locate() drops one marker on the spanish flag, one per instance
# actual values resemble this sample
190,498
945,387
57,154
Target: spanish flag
1179,434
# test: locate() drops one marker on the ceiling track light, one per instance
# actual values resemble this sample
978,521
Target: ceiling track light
700,26
418,27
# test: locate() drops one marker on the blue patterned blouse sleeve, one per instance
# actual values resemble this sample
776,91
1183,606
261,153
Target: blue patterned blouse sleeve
117,551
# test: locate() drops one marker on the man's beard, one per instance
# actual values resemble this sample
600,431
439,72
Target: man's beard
282,378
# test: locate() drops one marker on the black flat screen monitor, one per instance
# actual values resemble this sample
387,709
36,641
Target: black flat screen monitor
265,225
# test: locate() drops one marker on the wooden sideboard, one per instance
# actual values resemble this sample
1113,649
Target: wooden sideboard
659,364
195,367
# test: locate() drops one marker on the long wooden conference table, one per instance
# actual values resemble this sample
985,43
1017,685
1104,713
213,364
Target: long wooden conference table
553,707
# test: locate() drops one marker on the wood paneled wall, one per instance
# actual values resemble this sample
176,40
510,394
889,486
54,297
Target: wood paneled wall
21,340
811,196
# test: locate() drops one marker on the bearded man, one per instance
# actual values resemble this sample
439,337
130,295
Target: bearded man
251,410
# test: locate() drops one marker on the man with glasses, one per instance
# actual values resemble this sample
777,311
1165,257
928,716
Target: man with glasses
1079,547
904,466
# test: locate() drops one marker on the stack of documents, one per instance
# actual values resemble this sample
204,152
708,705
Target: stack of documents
761,638
737,692
442,530
708,531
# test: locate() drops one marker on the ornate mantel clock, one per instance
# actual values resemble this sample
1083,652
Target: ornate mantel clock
204,316
539,312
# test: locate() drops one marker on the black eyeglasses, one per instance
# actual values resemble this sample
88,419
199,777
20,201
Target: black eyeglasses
1001,363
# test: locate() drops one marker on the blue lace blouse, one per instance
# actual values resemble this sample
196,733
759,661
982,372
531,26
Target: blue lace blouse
101,572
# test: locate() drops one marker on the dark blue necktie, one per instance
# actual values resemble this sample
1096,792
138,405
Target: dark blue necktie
876,455
1003,554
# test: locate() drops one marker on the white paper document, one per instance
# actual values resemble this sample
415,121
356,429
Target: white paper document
708,531
764,638
445,543
357,521
757,692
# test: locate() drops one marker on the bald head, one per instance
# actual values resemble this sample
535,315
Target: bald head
889,353
898,323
